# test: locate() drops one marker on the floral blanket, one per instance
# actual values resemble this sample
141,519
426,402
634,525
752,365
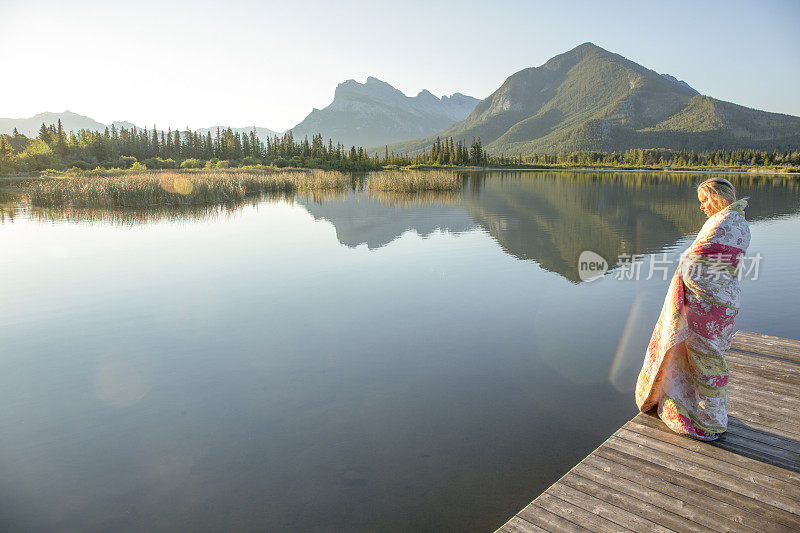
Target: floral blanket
684,373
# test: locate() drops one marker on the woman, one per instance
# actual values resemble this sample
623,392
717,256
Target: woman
684,372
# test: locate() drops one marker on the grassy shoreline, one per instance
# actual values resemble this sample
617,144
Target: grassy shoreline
161,188
126,189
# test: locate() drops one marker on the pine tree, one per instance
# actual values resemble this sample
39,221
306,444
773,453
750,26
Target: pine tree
5,149
61,139
44,133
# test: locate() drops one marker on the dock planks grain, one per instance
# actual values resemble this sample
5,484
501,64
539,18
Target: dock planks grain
644,477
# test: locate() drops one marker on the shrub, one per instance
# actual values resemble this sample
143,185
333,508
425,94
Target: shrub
193,163
158,163
126,161
82,165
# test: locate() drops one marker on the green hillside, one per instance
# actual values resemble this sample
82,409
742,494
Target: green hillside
592,99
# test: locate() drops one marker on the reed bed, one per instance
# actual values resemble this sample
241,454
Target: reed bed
418,198
412,181
154,189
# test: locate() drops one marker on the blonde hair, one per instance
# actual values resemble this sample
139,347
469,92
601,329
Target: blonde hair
721,192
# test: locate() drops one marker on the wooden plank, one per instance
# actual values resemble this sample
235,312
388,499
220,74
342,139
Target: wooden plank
753,413
741,509
774,363
766,368
518,525
695,506
747,483
739,392
740,435
745,430
602,508
554,514
784,413
742,415
747,497
737,444
749,448
752,382
750,474
759,343
649,428
633,497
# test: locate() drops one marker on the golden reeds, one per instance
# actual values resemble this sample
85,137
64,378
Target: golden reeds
411,181
170,188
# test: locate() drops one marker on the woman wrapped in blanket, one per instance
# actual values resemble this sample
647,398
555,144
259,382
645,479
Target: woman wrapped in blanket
684,373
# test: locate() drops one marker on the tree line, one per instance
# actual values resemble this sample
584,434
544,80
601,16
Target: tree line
450,152
55,148
123,147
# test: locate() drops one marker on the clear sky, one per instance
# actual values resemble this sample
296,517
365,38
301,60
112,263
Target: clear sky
243,63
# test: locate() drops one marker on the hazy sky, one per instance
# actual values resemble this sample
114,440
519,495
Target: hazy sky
265,63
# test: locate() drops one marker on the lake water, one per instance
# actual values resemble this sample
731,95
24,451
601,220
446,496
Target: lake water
343,362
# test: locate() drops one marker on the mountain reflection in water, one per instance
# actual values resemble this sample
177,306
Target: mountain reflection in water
549,217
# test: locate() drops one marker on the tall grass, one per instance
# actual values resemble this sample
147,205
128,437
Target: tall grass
417,198
411,181
170,188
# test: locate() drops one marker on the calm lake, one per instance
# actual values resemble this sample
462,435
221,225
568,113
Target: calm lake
353,361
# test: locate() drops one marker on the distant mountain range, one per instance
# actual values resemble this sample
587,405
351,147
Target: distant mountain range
73,122
375,113
29,127
593,99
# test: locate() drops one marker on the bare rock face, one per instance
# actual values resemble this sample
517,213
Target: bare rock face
375,113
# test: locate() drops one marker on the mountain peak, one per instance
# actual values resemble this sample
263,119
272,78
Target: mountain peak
375,113
372,87
588,47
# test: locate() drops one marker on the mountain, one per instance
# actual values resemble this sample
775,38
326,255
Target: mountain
375,113
30,126
73,122
593,99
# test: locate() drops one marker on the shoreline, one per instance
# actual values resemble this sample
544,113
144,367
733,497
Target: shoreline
614,169
6,180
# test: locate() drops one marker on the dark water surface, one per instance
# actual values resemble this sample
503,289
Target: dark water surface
347,362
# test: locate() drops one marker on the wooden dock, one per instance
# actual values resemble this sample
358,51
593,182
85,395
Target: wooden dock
647,478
